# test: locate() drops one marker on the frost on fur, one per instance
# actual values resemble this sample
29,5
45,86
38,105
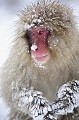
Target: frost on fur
34,47
68,97
40,107
37,105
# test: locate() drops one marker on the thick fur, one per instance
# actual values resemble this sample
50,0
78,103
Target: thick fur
20,70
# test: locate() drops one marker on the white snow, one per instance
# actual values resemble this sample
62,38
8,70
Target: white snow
27,26
37,21
34,47
69,92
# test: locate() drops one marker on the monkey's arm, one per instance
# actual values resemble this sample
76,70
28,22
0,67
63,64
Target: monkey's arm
40,107
33,100
67,99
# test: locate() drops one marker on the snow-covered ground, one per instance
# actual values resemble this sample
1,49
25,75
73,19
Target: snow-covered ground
7,18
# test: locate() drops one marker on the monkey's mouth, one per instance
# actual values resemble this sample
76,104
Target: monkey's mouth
40,59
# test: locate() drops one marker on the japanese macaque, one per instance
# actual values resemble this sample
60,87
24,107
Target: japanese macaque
40,77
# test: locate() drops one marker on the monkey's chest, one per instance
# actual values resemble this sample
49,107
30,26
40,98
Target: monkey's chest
49,86
47,81
48,89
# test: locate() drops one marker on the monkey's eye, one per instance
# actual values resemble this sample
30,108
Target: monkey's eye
29,34
40,32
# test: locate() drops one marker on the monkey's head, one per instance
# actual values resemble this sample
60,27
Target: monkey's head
47,29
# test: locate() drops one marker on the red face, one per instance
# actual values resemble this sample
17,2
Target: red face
39,46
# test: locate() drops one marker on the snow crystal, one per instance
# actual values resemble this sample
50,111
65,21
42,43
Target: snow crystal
49,108
40,65
30,99
27,26
34,47
36,21
34,15
70,94
25,99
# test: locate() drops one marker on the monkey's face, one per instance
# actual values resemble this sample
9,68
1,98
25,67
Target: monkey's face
47,30
38,44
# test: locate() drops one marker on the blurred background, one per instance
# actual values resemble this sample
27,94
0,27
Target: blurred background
8,15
